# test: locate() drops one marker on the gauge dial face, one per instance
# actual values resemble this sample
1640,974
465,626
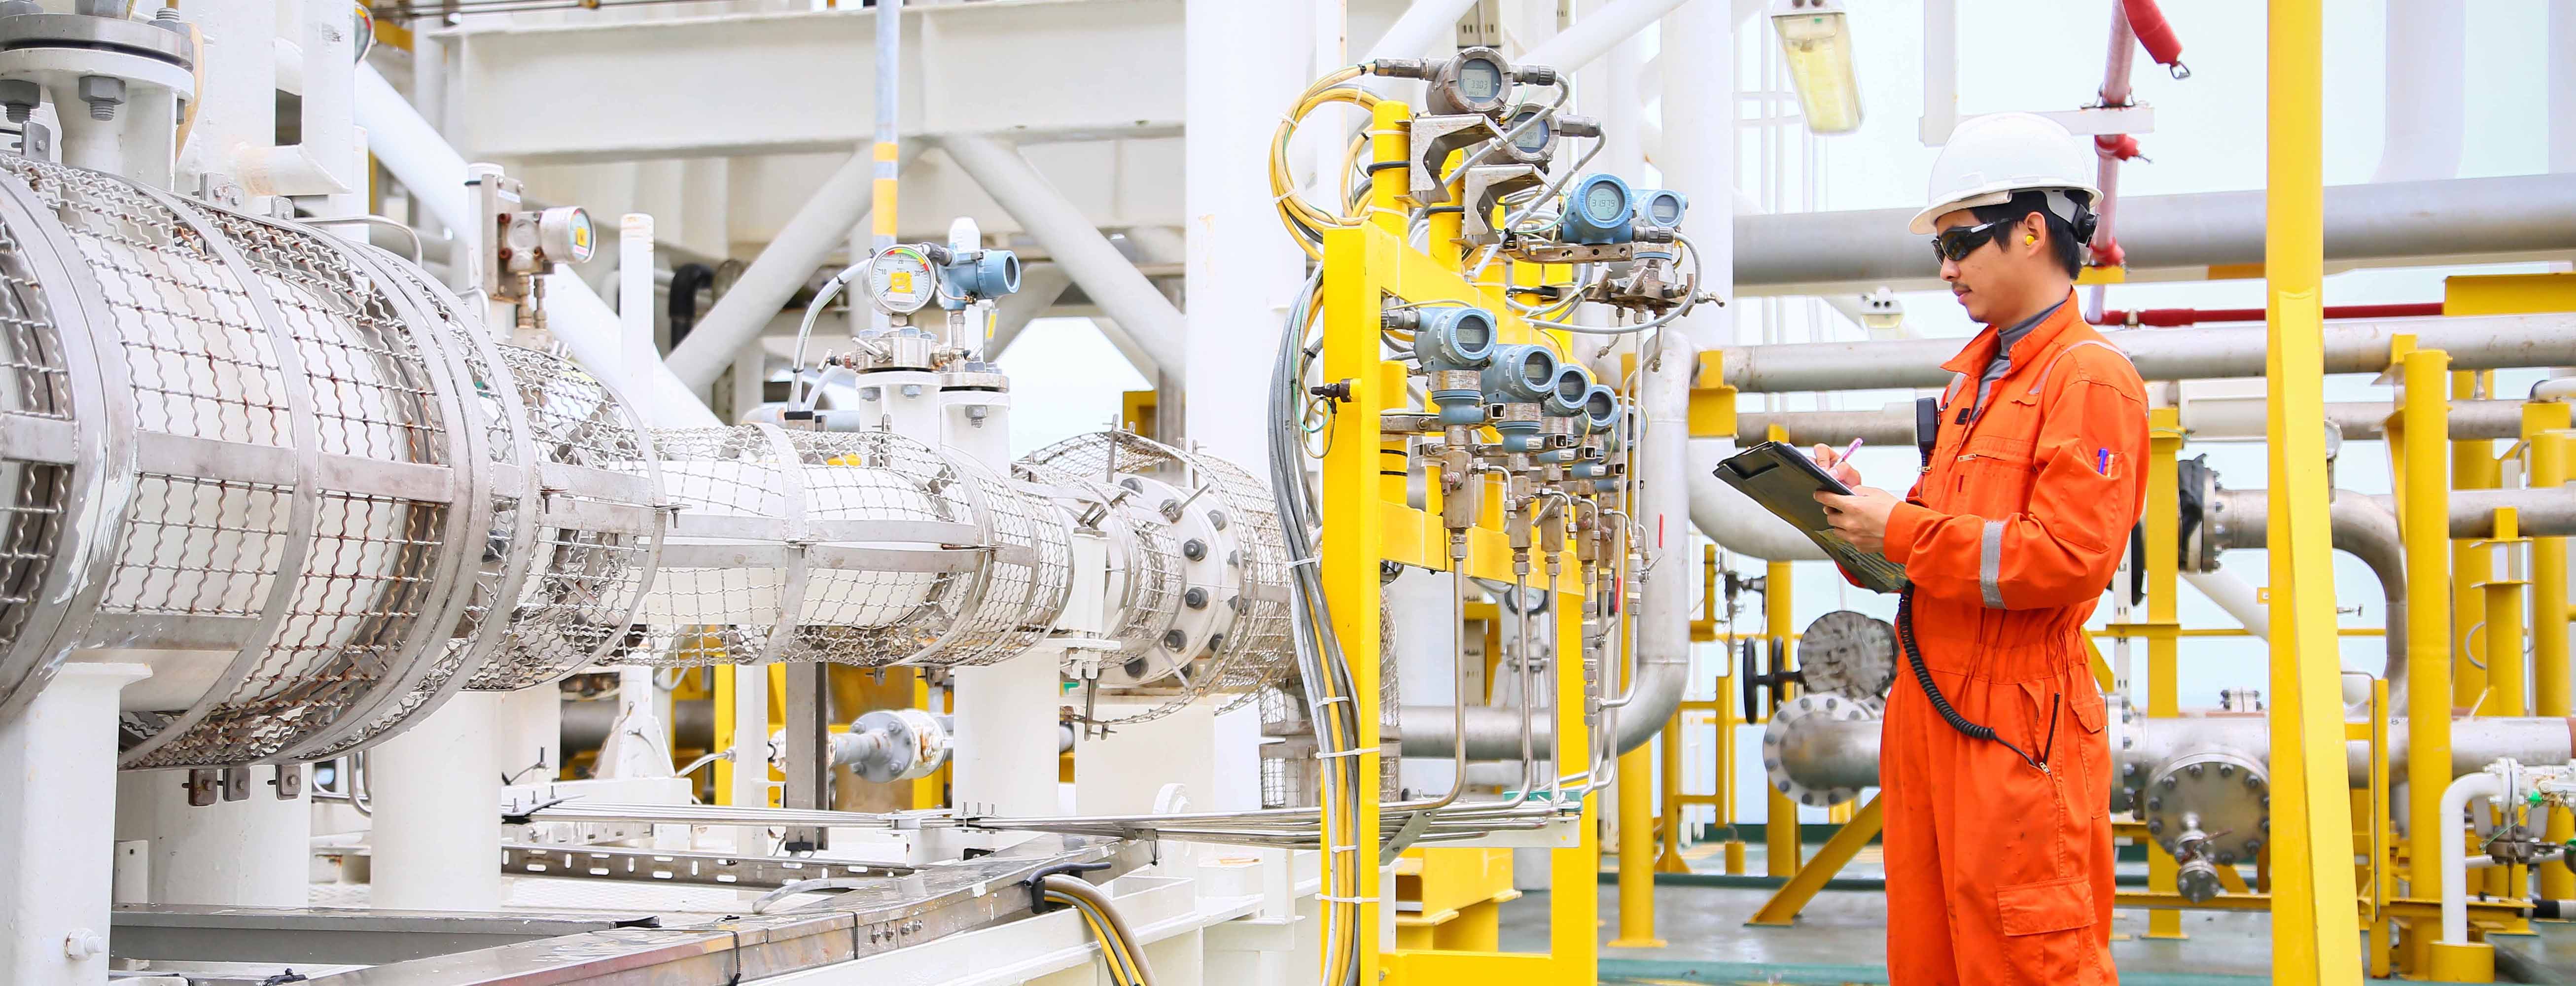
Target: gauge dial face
1665,209
1479,79
901,280
1533,140
1602,201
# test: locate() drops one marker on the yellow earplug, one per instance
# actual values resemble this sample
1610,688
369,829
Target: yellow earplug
2030,239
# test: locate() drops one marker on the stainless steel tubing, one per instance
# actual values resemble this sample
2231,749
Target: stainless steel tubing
1891,426
1823,753
2537,513
2356,346
2386,221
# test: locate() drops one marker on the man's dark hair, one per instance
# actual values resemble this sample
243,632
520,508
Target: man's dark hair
2064,238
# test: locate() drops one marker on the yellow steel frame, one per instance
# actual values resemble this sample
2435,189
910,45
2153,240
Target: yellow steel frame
2163,533
2311,814
2508,294
2544,426
1364,266
1782,909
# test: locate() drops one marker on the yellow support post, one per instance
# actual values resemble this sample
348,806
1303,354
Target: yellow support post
1353,535
2425,523
2164,586
1574,875
1668,850
1780,846
2473,467
2545,427
1636,835
1782,909
723,736
2313,932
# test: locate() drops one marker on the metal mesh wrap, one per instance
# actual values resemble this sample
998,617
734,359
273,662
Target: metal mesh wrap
1180,526
597,531
465,653
861,548
54,437
292,546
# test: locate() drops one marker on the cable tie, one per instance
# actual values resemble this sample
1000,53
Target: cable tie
1345,753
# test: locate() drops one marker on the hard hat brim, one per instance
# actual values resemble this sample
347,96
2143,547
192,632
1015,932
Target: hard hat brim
1922,224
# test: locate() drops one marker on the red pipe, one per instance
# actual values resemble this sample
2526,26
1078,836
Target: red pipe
2157,34
2171,317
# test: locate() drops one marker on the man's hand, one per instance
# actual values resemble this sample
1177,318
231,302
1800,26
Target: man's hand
1836,466
1860,518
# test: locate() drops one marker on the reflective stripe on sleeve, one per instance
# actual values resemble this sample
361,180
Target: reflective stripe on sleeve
1990,565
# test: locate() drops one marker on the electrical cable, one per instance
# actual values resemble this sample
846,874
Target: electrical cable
1941,703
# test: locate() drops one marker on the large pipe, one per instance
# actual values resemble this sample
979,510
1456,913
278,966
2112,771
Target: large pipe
2425,109
1822,753
1803,253
1733,520
2475,343
2456,798
2225,419
2363,528
433,171
1422,25
1596,33
1122,292
783,268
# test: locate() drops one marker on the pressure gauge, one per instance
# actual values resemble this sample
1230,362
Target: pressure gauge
1662,207
565,236
1534,135
1476,81
901,279
1598,211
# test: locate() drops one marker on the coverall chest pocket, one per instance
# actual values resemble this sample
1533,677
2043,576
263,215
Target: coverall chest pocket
1991,475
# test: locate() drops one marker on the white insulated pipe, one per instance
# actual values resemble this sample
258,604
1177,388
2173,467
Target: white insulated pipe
2236,596
1820,252
433,171
2424,115
2456,798
1122,292
1594,34
1424,24
2354,346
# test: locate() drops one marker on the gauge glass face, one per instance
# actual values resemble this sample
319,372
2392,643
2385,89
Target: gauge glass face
1479,79
1601,201
1667,209
1532,140
900,279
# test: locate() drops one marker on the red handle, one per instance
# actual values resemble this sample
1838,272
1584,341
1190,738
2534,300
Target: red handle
2157,34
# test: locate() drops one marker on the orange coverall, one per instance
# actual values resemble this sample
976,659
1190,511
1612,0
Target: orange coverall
1998,872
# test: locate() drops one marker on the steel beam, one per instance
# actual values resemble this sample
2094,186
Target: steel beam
334,936
785,82
817,231
1105,275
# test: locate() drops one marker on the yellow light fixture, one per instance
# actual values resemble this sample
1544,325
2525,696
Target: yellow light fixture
1815,38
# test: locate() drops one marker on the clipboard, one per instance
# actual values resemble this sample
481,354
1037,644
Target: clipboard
1784,481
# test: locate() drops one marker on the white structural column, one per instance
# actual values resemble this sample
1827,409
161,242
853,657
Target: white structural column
1243,270
2424,115
1698,158
255,852
1122,292
56,844
436,845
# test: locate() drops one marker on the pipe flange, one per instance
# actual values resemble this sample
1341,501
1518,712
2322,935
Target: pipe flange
1834,708
1848,654
80,32
2221,793
915,745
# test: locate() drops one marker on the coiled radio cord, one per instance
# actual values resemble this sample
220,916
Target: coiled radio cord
1941,703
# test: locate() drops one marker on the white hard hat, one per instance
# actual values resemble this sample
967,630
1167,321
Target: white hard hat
1993,156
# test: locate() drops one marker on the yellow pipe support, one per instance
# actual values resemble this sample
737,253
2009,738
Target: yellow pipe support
1668,767
723,736
1353,537
2163,524
1782,909
1636,853
2311,815
2473,467
1780,845
2545,426
2425,526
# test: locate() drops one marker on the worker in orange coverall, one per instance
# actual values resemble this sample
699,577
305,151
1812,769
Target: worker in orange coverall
1994,770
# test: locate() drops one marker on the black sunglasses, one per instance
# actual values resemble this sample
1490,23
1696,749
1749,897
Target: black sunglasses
1958,242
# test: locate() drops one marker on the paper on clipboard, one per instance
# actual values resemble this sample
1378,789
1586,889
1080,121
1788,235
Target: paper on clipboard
1784,481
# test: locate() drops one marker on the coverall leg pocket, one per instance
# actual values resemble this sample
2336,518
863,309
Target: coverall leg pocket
2047,930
